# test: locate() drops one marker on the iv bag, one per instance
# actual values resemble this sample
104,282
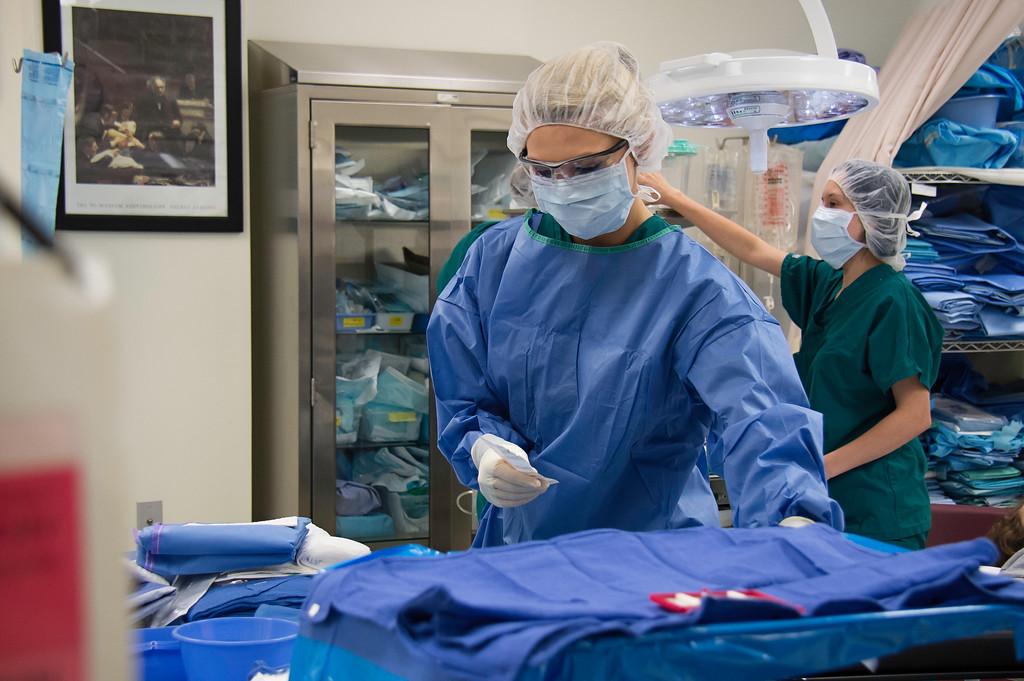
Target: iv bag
722,183
775,197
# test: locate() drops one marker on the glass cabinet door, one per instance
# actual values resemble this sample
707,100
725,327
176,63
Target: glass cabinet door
377,189
481,135
481,167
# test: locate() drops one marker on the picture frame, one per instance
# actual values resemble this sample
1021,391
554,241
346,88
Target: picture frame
153,132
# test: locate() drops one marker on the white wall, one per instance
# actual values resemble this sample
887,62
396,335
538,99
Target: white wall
182,311
183,303
654,29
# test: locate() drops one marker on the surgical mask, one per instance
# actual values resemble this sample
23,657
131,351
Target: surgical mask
590,205
831,238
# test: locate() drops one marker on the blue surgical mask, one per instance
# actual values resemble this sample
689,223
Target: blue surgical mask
830,236
590,205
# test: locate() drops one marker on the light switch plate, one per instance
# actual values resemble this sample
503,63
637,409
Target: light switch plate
148,513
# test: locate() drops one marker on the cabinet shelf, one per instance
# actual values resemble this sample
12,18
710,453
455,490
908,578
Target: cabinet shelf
381,223
397,540
942,175
984,345
381,323
380,332
377,445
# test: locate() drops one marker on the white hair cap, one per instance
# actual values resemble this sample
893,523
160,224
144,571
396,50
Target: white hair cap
598,88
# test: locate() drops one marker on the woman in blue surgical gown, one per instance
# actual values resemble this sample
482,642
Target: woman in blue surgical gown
583,354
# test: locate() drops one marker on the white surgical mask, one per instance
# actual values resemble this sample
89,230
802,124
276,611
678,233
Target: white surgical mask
590,205
830,236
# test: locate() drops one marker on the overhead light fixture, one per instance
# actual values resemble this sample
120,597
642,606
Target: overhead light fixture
761,89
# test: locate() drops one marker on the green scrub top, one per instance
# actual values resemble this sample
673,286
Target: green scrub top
855,348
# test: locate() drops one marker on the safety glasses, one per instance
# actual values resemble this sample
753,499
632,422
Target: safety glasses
574,167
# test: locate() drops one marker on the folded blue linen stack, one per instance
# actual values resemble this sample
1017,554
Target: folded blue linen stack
919,251
955,310
197,549
976,260
230,569
971,452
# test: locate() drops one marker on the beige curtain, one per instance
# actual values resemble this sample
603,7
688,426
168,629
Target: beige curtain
936,53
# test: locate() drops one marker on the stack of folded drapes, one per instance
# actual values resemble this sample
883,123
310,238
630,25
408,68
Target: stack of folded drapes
968,260
972,453
197,571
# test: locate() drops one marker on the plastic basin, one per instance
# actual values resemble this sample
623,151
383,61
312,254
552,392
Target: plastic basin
158,655
231,648
978,111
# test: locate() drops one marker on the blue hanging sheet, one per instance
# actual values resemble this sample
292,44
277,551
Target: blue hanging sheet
44,98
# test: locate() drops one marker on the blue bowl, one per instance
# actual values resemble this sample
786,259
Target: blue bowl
977,111
231,648
158,655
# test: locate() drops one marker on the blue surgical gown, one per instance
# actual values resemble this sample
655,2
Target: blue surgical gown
610,367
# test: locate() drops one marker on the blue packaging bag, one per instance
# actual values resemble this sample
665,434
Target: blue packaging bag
943,142
45,80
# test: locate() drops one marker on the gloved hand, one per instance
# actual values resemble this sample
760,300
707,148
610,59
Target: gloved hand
504,472
796,521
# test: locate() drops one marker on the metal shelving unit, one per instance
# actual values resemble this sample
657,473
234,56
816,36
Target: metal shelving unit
937,175
992,345
971,176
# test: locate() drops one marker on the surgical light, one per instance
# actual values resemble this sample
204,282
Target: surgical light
761,89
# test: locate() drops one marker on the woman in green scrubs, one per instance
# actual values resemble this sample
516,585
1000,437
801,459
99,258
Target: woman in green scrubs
871,345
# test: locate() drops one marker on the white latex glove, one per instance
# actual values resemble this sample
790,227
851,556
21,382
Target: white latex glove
320,550
504,472
796,521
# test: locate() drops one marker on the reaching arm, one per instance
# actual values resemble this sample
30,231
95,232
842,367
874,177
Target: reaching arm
734,238
768,447
910,418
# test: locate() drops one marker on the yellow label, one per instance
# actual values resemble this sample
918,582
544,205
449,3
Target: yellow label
402,416
353,322
395,321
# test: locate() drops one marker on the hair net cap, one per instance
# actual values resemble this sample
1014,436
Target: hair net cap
881,197
598,88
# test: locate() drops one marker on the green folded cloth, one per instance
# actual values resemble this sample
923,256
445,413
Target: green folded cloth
987,474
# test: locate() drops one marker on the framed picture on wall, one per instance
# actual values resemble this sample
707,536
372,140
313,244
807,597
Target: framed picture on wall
153,141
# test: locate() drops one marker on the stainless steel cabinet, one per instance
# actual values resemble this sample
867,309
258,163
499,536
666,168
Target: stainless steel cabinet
367,167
